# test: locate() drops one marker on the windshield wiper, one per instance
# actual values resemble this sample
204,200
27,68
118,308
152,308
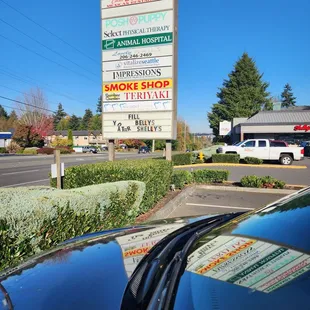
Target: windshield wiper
149,285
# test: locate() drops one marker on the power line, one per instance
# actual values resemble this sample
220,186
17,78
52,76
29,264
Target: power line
27,104
46,58
8,107
51,33
23,93
19,78
45,46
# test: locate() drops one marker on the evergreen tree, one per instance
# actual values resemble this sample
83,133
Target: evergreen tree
242,94
3,113
74,122
96,123
13,116
59,115
287,97
99,105
70,138
86,120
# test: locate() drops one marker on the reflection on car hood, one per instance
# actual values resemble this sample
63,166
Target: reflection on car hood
90,272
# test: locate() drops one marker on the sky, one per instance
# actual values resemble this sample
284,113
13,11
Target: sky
213,34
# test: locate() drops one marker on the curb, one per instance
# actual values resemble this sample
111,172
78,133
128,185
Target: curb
248,189
172,204
241,165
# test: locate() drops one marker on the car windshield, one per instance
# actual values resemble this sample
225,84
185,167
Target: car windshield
262,260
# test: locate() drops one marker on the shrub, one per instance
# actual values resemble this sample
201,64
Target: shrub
36,219
46,151
155,173
30,151
279,184
3,150
60,142
199,161
13,147
210,176
258,182
226,158
65,150
20,151
253,160
251,181
182,159
181,177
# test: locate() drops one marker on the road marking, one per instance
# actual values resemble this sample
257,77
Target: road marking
215,206
25,183
19,172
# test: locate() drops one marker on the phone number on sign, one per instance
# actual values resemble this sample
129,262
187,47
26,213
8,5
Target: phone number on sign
141,55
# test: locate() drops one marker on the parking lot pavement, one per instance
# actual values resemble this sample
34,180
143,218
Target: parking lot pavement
290,176
204,201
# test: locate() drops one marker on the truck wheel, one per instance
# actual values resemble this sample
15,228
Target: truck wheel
286,160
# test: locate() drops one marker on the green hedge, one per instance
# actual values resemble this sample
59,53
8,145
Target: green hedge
36,219
253,160
226,158
3,150
182,159
210,176
261,182
181,177
155,173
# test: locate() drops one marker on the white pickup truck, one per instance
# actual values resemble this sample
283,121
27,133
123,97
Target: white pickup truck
260,148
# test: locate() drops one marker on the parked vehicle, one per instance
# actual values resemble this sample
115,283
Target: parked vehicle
89,149
235,261
144,150
305,143
264,149
104,147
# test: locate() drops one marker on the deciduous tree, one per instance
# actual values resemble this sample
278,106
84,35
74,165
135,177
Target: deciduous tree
35,114
26,136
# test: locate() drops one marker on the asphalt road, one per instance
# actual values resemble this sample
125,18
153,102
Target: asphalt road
33,170
206,201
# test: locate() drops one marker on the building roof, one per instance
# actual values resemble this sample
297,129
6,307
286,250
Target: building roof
76,133
296,115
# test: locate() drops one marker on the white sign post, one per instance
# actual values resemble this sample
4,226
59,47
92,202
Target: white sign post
139,69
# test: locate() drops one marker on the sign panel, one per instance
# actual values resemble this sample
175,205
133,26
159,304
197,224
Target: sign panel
139,69
116,8
54,170
138,53
135,246
225,128
253,264
145,63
